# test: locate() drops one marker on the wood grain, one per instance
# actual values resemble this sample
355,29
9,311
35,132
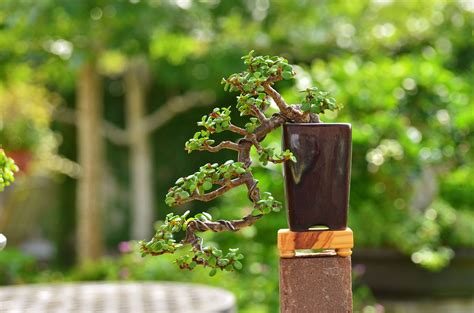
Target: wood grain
341,241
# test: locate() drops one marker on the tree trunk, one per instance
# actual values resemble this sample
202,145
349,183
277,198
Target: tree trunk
136,81
90,150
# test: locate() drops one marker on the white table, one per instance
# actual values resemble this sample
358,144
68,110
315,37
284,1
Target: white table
3,241
112,297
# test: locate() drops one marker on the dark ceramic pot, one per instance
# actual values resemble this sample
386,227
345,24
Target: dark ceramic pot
317,185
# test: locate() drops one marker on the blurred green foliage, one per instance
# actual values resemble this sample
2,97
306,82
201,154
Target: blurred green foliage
16,267
25,114
402,70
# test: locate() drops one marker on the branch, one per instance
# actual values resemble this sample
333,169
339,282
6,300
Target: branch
224,225
287,110
65,115
115,134
216,193
259,114
276,161
272,123
118,136
253,139
237,130
168,111
174,106
217,226
223,145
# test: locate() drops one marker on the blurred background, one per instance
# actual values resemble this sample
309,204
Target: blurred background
98,97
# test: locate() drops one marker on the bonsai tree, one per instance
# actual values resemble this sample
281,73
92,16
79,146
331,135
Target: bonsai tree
256,88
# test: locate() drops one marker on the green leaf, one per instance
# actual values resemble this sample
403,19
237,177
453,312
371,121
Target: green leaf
207,215
256,212
315,109
217,252
240,170
287,74
207,185
212,261
183,194
332,106
237,265
305,107
213,272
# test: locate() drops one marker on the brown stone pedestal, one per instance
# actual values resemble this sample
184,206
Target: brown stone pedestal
316,284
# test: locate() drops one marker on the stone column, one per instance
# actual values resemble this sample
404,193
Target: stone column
315,284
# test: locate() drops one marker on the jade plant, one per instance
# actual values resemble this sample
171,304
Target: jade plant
7,170
256,91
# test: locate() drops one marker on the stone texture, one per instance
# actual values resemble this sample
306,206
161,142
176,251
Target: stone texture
317,284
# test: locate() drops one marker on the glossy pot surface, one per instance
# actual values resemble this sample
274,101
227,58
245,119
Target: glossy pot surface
317,185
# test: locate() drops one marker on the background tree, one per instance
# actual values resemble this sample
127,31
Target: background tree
81,40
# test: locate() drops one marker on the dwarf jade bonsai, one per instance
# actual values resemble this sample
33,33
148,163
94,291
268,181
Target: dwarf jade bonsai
255,86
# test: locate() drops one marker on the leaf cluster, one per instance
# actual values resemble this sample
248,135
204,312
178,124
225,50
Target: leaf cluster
163,241
317,101
252,124
266,204
260,69
199,140
204,180
217,121
212,257
269,155
7,170
250,83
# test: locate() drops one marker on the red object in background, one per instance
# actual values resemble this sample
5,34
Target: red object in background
22,159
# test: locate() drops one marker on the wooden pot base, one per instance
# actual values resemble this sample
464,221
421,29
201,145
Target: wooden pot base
289,242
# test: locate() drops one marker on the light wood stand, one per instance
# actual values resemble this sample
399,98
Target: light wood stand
341,241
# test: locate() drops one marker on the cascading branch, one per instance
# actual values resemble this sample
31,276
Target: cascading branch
255,86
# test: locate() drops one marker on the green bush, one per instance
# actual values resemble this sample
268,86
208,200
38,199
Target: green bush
17,268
